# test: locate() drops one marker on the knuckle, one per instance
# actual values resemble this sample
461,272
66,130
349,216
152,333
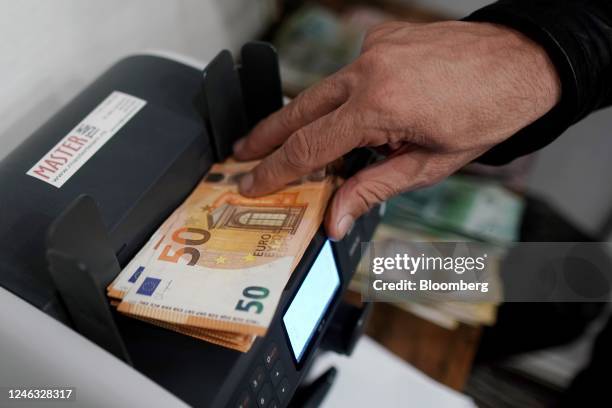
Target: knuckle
346,81
370,40
372,31
300,151
371,35
335,87
440,134
374,60
356,194
378,30
263,173
292,113
372,192
434,171
374,55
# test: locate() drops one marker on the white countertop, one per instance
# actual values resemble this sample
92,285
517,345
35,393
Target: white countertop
374,377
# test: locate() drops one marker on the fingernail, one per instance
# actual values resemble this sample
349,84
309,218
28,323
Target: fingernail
238,145
345,224
246,183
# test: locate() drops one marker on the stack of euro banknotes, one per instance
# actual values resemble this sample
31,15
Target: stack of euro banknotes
216,268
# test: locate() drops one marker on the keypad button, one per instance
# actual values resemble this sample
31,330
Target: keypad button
257,378
274,404
264,396
277,372
271,355
283,389
245,400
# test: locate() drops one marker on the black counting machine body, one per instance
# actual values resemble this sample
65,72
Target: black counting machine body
72,214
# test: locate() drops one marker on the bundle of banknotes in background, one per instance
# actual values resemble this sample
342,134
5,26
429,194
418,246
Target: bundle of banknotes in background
458,209
445,311
216,268
477,208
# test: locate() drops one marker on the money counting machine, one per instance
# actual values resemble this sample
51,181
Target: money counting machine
84,193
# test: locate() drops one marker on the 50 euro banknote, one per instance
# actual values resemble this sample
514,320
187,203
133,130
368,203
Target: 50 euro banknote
221,260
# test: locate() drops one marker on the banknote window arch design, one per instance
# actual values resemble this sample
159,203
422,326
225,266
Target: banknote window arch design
255,218
265,218
268,219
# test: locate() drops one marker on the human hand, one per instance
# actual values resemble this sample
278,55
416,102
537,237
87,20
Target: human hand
433,96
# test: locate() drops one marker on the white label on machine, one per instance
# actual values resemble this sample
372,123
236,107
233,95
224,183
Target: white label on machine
78,146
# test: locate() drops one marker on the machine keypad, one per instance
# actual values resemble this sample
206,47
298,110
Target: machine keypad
271,355
245,400
268,382
277,372
264,396
257,378
283,389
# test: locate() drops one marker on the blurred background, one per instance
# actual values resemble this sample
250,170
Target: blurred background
499,354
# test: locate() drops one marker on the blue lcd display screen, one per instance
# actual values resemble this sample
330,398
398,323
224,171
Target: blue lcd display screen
309,305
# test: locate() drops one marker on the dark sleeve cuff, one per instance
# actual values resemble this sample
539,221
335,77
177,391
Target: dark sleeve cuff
536,22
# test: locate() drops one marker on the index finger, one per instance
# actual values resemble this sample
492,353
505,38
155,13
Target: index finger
308,149
308,106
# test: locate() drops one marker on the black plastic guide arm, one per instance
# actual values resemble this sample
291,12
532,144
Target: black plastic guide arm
261,81
224,110
235,98
82,263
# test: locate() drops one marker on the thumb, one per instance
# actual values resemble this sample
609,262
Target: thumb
373,185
